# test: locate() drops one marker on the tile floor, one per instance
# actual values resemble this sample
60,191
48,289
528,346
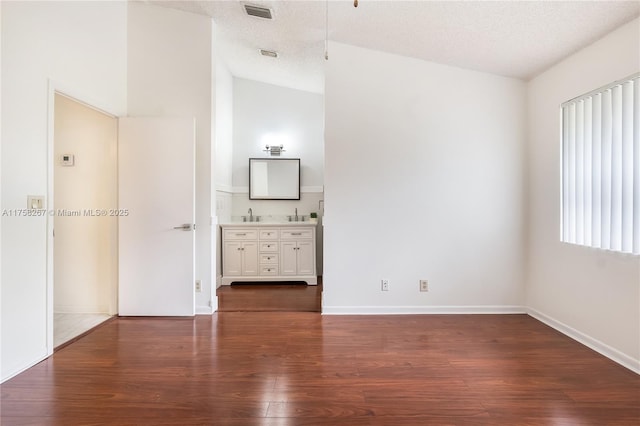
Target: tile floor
68,326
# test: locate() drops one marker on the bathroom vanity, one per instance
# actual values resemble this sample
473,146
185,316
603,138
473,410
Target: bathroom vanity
258,251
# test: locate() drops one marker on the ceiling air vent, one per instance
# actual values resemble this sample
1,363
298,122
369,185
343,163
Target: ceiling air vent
269,53
260,12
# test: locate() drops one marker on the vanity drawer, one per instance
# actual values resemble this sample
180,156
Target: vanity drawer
269,234
269,259
268,270
269,247
296,234
240,234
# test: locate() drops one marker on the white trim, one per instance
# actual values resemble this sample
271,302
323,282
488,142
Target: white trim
595,344
224,188
82,98
312,188
420,310
203,310
50,207
24,368
54,87
245,189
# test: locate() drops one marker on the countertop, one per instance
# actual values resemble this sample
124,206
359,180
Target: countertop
266,223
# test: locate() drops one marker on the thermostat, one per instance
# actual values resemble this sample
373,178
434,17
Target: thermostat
67,159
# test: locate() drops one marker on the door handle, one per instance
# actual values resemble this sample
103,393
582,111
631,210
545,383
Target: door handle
185,227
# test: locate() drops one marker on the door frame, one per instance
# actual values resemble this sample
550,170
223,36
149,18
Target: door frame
55,87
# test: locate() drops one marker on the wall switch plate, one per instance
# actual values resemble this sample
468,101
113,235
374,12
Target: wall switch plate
385,285
198,286
35,202
424,285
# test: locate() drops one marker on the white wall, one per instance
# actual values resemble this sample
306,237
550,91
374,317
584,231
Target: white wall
222,156
423,180
169,74
261,111
1,204
81,46
264,114
85,247
267,114
593,295
223,126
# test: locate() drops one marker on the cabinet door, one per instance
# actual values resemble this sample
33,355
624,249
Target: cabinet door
232,259
305,258
250,258
288,252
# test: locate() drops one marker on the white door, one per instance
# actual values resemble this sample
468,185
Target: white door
156,184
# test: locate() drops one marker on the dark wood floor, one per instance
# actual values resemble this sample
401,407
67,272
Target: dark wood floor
261,297
297,368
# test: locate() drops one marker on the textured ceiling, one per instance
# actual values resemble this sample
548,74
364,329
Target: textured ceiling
511,38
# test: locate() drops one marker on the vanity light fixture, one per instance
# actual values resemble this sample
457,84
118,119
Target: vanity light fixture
274,150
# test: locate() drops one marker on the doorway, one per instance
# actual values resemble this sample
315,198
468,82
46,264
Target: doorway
85,235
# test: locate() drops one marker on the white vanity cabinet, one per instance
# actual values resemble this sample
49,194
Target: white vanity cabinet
264,252
298,254
241,252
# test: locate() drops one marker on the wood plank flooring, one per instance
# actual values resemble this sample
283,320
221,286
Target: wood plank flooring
297,368
260,297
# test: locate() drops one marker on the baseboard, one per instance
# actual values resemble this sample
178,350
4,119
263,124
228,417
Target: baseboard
208,310
595,344
409,310
20,369
76,309
204,310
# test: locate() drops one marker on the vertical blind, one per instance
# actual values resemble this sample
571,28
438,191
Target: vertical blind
601,168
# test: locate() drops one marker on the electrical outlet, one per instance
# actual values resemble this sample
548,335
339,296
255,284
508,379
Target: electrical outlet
385,285
198,286
424,285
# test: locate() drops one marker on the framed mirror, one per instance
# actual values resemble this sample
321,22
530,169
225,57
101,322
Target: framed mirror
274,178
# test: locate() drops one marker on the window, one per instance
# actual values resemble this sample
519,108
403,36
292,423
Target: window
601,168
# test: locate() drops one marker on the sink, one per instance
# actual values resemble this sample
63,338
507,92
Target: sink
282,220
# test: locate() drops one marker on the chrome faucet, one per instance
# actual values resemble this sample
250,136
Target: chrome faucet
250,215
296,214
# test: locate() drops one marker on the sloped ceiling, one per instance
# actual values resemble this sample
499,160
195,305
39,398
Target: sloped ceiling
510,38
